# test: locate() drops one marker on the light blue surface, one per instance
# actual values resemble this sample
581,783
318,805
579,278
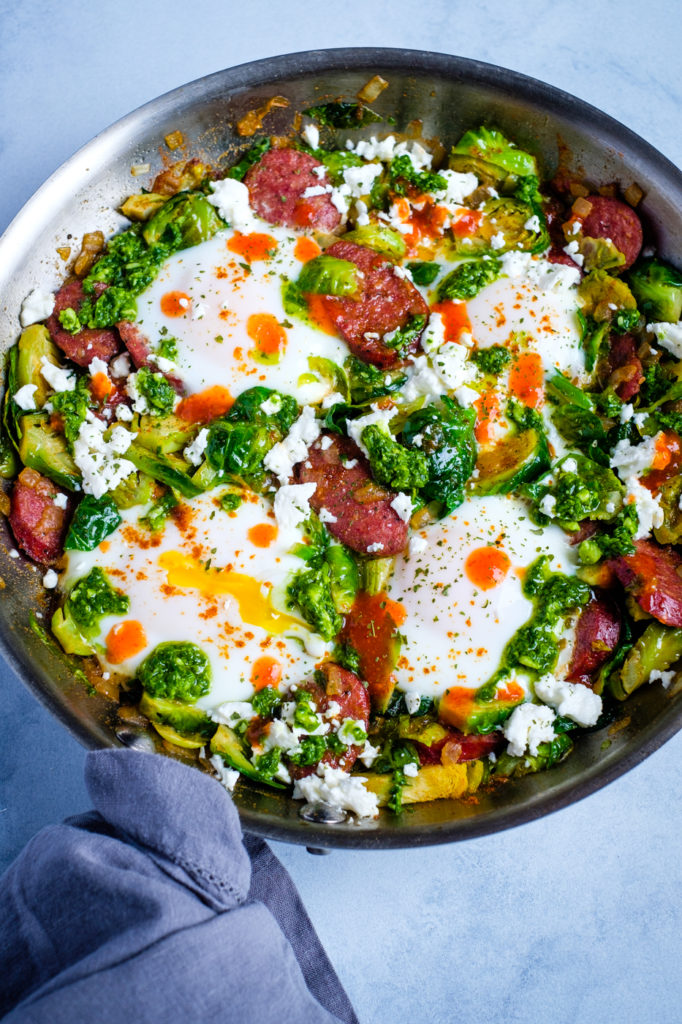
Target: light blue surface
575,918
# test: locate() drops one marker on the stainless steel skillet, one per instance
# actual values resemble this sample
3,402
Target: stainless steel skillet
447,94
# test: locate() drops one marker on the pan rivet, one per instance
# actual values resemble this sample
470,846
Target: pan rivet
322,814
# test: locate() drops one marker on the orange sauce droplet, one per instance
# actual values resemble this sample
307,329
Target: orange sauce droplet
262,534
266,672
456,706
466,223
125,640
370,629
488,409
104,546
266,331
487,567
318,313
305,212
175,304
526,378
101,387
666,462
204,406
254,246
306,248
455,318
509,692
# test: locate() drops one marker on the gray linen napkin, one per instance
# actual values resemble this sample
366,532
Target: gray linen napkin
151,909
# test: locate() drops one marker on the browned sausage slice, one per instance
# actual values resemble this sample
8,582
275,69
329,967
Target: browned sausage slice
37,523
277,184
139,351
89,343
614,219
626,367
596,637
387,303
363,516
652,577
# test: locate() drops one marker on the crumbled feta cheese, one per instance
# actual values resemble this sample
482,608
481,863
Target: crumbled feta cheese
271,405
412,702
350,463
124,413
649,512
99,461
281,459
231,199
337,788
60,500
664,678
98,365
50,579
316,190
361,213
368,754
433,336
226,776
633,460
421,382
233,711
571,700
498,241
533,223
569,466
347,728
13,553
378,417
292,504
326,442
573,250
411,770
548,505
121,365
417,545
360,180
402,505
387,149
25,397
311,135
626,413
325,516
36,306
194,452
374,548
450,364
133,392
539,272
459,186
335,398
58,379
669,336
527,727
163,364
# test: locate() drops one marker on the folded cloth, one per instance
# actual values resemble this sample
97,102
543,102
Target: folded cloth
150,909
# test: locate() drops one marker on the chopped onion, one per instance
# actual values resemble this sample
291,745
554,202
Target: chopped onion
91,247
372,89
138,169
633,194
578,190
581,208
451,752
174,140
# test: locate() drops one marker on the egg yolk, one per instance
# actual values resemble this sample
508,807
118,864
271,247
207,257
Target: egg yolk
255,609
486,567
175,303
254,246
526,378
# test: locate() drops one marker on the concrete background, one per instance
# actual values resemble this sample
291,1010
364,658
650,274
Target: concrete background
575,918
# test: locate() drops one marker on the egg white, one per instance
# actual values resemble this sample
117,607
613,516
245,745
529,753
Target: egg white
181,613
455,632
213,344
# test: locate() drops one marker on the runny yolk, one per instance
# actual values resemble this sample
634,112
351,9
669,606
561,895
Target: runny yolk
526,379
266,672
487,567
266,331
252,595
204,406
125,640
306,248
254,246
101,387
175,304
262,534
455,318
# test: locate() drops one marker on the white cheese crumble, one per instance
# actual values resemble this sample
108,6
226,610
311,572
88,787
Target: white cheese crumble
417,545
124,413
60,500
231,199
121,365
571,700
368,754
411,770
286,454
326,442
99,461
311,135
459,186
421,382
373,549
227,777
379,417
533,223
433,336
50,579
98,365
498,241
25,397
194,452
669,336
664,678
630,461
292,504
527,727
36,306
233,711
325,516
346,729
548,505
451,365
271,405
337,788
412,702
402,505
133,392
58,379
546,276
387,149
573,250
361,213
